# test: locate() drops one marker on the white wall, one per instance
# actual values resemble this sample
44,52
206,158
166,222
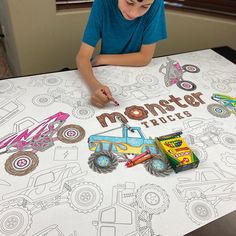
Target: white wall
40,39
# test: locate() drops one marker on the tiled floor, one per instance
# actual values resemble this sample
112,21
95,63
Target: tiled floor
4,68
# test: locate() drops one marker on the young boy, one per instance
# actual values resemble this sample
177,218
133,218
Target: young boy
129,30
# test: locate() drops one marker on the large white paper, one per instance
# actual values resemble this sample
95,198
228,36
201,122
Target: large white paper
47,186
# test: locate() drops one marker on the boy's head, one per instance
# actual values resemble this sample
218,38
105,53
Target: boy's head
131,9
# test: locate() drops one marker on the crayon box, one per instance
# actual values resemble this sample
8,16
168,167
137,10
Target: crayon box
179,154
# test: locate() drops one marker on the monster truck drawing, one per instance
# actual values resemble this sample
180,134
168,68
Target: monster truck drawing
50,230
113,146
203,133
225,106
131,210
62,184
174,74
39,138
203,189
143,87
221,81
75,99
9,105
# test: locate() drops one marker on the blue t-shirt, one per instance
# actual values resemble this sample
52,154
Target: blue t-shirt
119,35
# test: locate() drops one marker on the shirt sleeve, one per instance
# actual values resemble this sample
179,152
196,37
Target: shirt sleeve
155,28
92,32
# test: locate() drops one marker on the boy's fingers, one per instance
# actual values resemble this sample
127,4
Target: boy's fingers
101,96
96,103
108,94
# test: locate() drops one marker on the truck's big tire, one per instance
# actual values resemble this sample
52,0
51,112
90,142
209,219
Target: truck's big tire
103,162
158,166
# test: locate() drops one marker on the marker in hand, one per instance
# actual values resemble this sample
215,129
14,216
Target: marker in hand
110,97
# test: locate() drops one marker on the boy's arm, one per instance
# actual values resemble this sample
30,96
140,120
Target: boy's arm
100,94
84,65
141,58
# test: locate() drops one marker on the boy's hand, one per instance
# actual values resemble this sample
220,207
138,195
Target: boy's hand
101,96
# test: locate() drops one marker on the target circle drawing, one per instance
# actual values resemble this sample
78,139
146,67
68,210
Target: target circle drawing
191,68
71,133
186,85
52,81
21,163
218,110
43,100
83,112
5,86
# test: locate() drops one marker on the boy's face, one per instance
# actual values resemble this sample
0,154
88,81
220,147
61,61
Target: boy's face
131,9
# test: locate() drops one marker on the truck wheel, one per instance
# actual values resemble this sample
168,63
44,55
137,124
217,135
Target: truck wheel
146,79
103,162
200,152
186,85
221,87
191,68
152,198
15,221
228,140
71,133
5,86
21,163
158,166
218,110
83,112
85,197
200,210
43,100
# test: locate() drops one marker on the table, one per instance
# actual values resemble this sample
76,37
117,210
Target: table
62,166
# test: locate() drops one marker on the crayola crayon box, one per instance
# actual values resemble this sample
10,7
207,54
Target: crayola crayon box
180,156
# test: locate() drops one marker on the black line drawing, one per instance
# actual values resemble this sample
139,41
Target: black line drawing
53,230
202,133
4,182
174,74
222,81
9,105
62,184
203,189
65,153
45,80
131,210
141,87
229,159
75,99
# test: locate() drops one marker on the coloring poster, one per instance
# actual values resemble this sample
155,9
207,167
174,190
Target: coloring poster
66,166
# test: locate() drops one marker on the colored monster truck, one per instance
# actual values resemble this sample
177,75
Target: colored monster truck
174,74
39,138
62,184
225,106
113,146
203,189
131,211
